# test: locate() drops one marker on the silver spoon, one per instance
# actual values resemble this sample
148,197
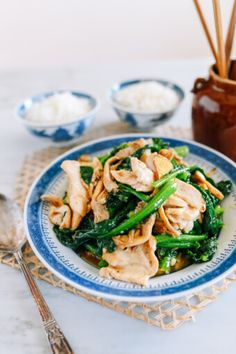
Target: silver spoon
12,239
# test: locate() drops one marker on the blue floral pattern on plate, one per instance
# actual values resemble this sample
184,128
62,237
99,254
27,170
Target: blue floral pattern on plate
63,262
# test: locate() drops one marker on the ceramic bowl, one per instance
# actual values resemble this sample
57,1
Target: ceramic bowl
143,121
60,134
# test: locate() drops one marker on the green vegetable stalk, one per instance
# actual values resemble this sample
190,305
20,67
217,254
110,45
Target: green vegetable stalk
153,204
167,257
179,242
169,176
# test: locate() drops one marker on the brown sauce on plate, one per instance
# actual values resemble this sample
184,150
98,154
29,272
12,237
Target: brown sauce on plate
182,262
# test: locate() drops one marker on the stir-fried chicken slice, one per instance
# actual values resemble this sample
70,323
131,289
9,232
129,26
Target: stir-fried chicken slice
98,203
133,264
77,192
52,199
190,195
182,218
108,181
138,236
60,213
157,163
182,208
84,158
169,227
171,154
140,177
113,162
60,216
97,174
199,177
132,147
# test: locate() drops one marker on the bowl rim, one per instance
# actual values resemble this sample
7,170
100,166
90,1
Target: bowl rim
170,84
47,94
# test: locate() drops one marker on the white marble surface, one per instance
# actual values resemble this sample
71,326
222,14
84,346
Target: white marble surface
90,328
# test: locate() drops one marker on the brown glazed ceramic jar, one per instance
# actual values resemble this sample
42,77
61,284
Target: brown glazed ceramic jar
214,113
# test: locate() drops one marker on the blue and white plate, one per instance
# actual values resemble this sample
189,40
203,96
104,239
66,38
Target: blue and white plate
75,271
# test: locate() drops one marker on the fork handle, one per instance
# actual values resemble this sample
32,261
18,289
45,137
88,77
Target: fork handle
56,338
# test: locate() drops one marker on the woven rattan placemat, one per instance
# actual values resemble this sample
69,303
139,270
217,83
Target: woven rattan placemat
166,315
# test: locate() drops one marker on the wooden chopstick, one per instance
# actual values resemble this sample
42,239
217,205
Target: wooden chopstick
230,35
219,36
206,30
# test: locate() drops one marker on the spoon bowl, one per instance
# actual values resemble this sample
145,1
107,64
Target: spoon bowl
12,236
12,239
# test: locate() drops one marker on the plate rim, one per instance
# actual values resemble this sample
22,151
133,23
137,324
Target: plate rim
104,294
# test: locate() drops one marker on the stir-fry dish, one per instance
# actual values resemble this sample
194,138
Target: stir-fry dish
139,211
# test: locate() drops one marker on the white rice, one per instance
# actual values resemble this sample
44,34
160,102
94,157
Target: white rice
59,108
147,97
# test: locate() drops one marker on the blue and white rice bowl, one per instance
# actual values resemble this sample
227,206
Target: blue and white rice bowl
59,134
142,121
69,267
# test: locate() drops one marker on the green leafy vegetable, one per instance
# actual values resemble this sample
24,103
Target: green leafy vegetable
102,263
167,256
225,187
65,236
94,231
86,173
219,210
116,201
139,195
96,246
211,224
160,144
125,165
205,251
197,228
106,243
153,204
182,151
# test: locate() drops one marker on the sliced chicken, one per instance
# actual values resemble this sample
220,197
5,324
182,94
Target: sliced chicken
140,177
138,236
171,154
52,199
84,158
190,195
157,163
98,203
133,264
182,208
60,213
169,227
113,162
108,181
132,147
199,177
77,192
60,216
97,174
